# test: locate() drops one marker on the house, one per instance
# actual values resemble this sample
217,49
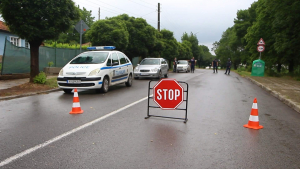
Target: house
14,39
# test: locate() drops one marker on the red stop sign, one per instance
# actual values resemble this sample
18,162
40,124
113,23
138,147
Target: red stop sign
168,94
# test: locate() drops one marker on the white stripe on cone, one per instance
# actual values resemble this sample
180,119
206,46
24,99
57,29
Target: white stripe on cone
76,104
254,106
75,94
253,118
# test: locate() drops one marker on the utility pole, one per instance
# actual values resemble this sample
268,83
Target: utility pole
158,22
99,14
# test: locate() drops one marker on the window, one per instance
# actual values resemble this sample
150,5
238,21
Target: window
122,58
15,41
108,61
90,58
115,59
26,44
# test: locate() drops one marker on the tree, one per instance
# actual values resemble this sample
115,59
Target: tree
37,21
72,36
142,36
170,45
194,41
110,32
286,28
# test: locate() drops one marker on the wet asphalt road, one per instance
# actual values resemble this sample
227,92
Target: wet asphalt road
214,137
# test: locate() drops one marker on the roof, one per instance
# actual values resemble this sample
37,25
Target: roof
3,26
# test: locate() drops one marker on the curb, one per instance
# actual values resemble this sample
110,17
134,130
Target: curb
28,94
288,102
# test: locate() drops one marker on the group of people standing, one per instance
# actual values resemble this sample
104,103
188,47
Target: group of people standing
215,65
192,63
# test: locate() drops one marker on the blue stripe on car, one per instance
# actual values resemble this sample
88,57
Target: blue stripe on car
119,79
112,67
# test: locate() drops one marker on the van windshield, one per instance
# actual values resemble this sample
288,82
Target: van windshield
90,58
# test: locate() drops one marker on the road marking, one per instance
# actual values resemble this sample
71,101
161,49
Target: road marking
33,149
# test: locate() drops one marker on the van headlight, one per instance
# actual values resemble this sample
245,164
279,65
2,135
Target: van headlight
94,72
154,70
136,69
61,72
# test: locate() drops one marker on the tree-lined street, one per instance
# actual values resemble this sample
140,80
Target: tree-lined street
214,136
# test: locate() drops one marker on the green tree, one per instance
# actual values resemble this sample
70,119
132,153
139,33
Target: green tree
185,50
286,30
194,41
206,56
109,32
72,36
37,21
170,45
142,36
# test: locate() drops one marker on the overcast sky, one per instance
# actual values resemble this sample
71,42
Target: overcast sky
208,19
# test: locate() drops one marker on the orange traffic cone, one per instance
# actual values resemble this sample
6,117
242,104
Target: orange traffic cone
76,104
253,122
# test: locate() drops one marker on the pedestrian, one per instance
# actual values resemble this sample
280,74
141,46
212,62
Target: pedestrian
228,66
193,62
175,65
215,65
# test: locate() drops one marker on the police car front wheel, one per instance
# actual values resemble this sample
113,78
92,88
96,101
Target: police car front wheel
105,85
129,81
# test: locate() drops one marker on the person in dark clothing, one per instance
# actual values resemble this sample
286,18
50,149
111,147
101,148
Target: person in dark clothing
193,62
215,65
228,66
175,65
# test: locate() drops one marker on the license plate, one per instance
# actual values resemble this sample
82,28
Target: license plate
144,74
74,81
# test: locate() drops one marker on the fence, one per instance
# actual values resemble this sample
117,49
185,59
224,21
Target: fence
17,59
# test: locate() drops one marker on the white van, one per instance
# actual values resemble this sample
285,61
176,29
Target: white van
98,69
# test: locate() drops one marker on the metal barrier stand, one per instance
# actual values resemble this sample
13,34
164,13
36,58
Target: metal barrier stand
185,100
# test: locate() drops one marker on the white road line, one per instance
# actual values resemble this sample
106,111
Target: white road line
33,149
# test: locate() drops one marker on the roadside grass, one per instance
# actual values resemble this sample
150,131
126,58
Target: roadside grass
242,73
51,82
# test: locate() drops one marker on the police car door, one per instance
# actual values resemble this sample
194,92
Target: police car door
117,70
125,66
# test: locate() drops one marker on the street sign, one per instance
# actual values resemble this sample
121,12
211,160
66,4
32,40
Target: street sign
261,42
81,27
168,94
260,48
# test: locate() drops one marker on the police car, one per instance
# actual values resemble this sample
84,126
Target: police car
98,69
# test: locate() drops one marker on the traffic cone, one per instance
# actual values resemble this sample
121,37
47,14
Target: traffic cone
76,104
253,122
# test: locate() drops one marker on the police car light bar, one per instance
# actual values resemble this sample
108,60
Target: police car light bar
101,48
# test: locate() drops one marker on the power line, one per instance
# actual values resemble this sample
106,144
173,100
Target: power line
140,4
147,3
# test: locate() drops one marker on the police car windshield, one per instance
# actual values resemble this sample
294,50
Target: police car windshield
150,62
183,62
90,58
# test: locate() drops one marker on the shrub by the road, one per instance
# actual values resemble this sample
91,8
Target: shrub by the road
40,78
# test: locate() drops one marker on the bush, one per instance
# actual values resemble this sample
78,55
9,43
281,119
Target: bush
50,64
240,69
40,78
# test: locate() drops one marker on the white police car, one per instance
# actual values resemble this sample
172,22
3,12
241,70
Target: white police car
98,69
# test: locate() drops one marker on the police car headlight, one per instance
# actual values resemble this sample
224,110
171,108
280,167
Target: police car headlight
154,70
94,72
61,72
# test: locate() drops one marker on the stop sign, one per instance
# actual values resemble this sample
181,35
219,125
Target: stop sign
168,94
